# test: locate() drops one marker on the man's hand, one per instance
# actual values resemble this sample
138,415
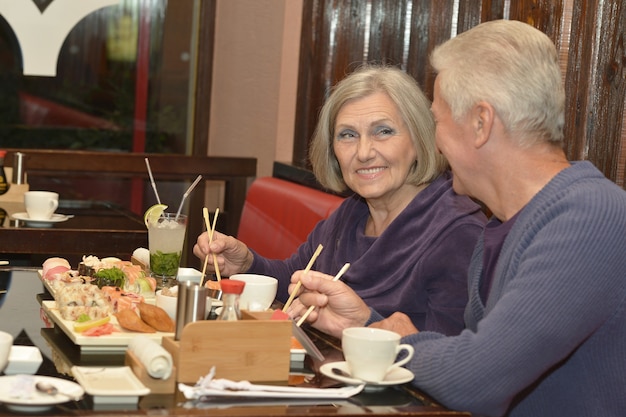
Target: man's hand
397,322
337,305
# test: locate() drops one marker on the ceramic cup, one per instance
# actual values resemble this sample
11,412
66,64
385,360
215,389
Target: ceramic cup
168,302
370,353
259,292
40,205
6,341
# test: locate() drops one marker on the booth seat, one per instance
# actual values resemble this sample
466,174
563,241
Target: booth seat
278,215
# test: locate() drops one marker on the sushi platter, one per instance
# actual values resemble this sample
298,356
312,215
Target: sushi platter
114,342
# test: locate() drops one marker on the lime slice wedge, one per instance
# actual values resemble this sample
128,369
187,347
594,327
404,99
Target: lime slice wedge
81,327
153,213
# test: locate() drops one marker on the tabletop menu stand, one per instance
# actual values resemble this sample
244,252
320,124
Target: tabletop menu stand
255,349
13,200
15,194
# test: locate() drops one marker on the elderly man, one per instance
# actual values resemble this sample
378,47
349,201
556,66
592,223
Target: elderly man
546,319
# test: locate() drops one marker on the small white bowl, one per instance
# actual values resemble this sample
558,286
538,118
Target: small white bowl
24,360
259,292
167,303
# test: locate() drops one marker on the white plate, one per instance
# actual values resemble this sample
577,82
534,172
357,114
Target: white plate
29,399
110,385
114,342
56,218
394,377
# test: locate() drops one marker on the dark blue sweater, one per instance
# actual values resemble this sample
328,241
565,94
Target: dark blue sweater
551,339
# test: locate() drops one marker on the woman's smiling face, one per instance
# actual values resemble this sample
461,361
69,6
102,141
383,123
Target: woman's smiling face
373,146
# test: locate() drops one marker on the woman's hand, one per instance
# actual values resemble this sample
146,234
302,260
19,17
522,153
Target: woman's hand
233,256
338,306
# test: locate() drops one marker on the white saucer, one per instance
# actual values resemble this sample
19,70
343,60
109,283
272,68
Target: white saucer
56,218
31,400
395,377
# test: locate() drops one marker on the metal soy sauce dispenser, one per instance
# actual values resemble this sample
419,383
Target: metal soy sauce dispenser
19,172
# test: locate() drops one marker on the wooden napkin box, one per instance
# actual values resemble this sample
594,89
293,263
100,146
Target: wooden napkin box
157,386
15,194
255,349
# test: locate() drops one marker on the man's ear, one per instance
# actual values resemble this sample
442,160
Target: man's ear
483,115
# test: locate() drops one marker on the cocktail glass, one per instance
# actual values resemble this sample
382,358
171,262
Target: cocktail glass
166,238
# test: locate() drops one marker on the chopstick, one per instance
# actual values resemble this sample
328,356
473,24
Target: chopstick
210,229
205,214
217,269
343,269
308,267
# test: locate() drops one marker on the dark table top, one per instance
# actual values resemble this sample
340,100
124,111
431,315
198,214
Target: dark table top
396,400
98,227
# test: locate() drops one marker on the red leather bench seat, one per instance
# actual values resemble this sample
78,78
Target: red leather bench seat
278,215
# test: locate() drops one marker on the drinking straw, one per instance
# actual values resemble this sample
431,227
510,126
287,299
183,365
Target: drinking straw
308,267
156,193
182,201
335,278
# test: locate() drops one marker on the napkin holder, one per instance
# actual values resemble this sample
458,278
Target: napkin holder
255,349
156,385
15,193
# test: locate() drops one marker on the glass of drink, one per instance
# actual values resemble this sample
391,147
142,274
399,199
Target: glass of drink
166,237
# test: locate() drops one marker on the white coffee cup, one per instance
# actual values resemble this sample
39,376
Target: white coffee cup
40,205
370,353
6,341
259,292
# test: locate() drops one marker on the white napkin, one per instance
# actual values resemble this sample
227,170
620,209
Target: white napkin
208,386
153,356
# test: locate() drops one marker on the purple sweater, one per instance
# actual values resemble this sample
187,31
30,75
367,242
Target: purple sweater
417,266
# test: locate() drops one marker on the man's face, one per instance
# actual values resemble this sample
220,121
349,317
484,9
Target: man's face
452,140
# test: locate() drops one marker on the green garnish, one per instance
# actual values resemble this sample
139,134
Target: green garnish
110,277
83,318
165,264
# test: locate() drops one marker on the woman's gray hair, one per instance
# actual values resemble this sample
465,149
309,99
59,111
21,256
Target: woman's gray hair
413,106
512,66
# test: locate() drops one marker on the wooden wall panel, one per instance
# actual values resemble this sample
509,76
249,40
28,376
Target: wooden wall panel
590,36
386,32
596,87
430,25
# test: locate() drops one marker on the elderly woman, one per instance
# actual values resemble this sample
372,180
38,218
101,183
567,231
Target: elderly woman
408,236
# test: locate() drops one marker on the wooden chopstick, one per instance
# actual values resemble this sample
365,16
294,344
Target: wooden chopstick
217,269
308,267
205,214
343,269
210,229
